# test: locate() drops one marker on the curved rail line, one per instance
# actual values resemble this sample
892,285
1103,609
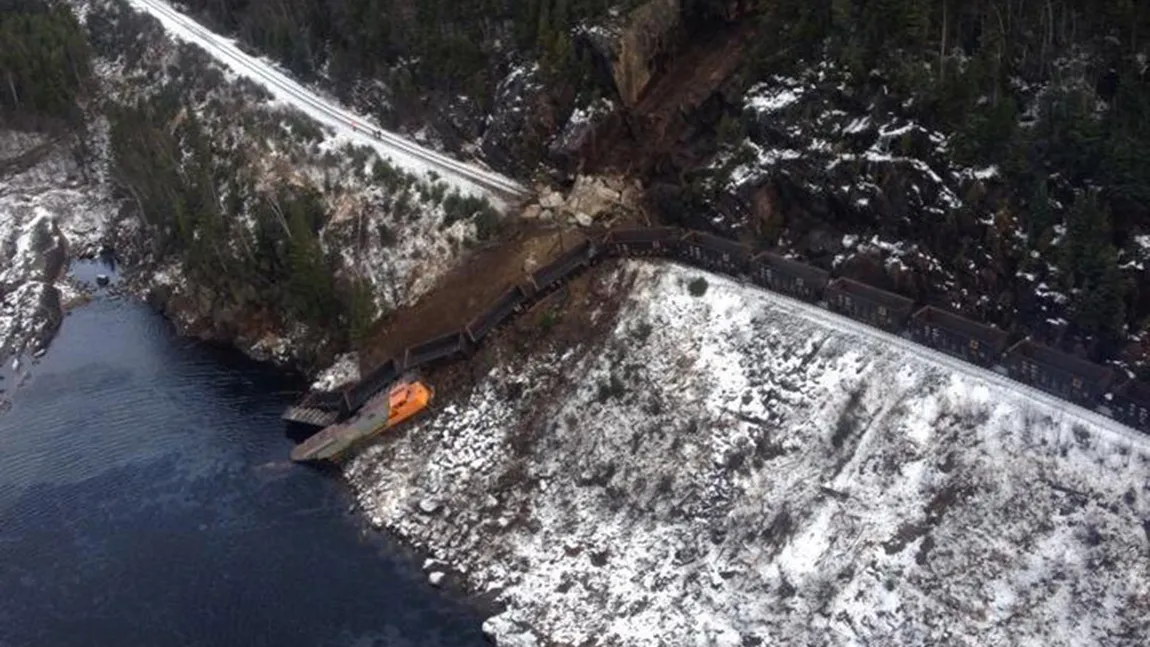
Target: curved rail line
223,50
800,285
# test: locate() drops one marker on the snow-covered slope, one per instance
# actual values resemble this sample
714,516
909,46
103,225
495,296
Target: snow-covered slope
737,469
385,228
357,129
49,210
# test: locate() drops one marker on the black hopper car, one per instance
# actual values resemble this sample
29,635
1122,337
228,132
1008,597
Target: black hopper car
1131,404
975,342
774,272
1058,373
871,305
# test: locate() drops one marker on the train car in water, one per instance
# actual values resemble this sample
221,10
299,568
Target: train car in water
956,335
868,304
773,271
382,411
1058,373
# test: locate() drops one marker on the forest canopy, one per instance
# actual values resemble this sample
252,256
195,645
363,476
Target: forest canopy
44,61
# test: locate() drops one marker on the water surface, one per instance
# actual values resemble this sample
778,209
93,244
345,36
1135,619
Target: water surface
146,499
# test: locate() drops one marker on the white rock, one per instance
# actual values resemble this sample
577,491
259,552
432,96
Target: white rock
436,578
583,220
551,200
429,506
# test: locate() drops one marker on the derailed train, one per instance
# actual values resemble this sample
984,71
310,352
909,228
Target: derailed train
1055,372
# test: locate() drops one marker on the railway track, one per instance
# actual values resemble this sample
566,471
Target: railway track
326,111
692,249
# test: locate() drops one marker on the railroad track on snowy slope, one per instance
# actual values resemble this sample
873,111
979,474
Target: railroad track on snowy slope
694,249
222,49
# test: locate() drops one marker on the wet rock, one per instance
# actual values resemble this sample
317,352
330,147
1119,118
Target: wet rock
436,578
102,280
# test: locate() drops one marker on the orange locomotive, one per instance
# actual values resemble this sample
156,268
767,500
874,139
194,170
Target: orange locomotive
404,400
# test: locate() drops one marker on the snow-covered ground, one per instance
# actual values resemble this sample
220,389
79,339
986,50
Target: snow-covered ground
49,211
740,469
357,129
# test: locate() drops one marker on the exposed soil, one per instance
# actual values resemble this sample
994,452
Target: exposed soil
467,289
671,128
579,315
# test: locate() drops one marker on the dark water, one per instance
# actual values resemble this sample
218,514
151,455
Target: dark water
146,499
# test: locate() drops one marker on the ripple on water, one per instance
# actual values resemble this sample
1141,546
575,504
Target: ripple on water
146,499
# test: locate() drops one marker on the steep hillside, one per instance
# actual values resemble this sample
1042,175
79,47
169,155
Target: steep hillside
727,467
984,156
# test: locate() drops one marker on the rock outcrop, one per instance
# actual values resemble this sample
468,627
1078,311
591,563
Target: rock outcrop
48,211
636,46
592,197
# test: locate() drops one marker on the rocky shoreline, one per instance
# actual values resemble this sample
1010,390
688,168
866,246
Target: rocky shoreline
55,211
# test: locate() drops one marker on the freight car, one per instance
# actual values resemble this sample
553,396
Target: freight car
714,253
1131,404
563,268
955,335
442,347
506,305
1058,373
773,271
655,241
868,304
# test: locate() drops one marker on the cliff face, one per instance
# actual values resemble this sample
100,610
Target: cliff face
53,207
639,44
736,469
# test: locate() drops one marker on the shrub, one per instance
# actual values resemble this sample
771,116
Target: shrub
698,287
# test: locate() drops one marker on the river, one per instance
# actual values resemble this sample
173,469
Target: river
146,499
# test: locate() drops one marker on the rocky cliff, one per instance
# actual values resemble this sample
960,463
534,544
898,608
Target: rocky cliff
52,207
